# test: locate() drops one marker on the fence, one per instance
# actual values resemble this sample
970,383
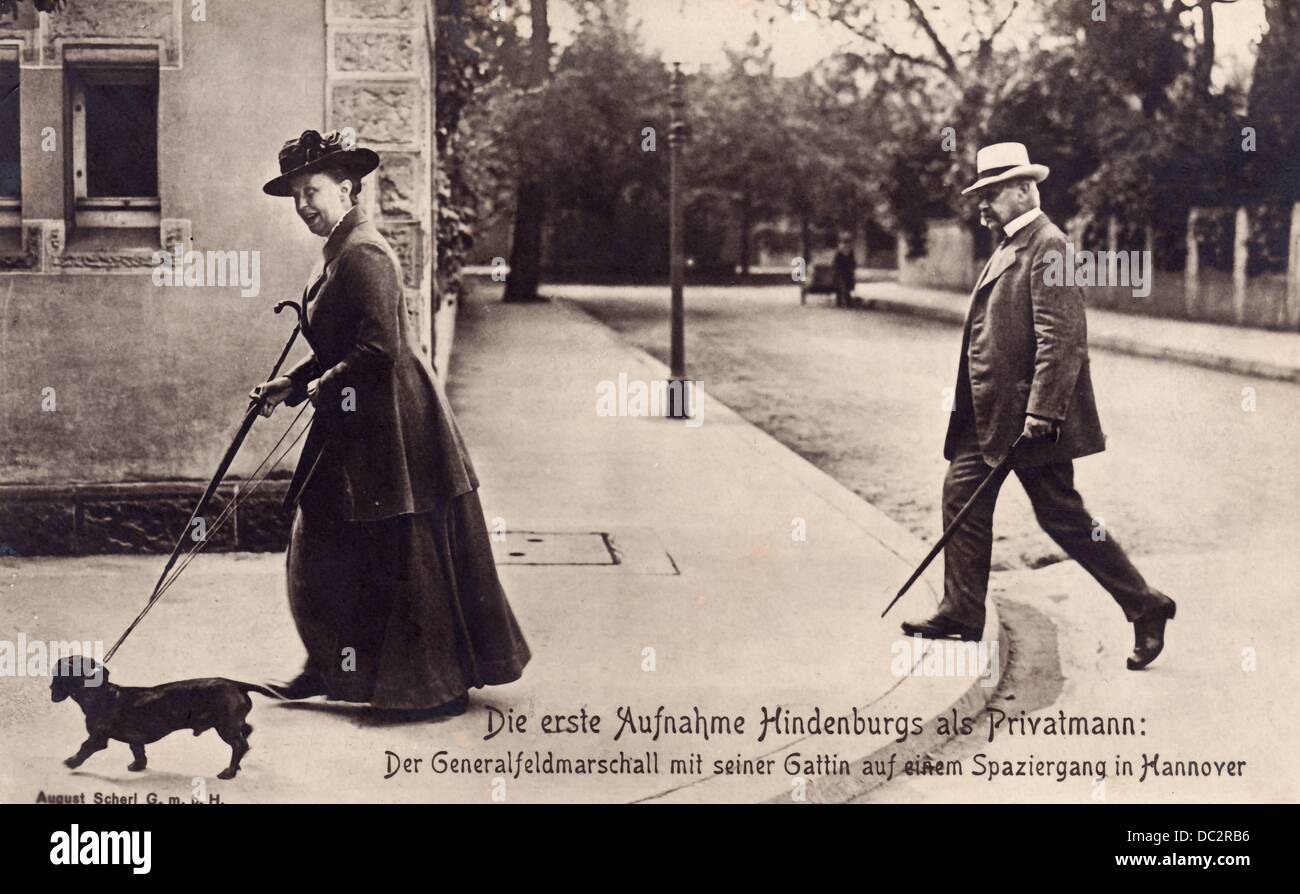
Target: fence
1223,265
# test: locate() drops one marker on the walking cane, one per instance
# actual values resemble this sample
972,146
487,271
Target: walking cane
955,523
250,415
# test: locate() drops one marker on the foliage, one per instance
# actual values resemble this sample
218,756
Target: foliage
1123,111
474,46
582,133
1274,170
9,7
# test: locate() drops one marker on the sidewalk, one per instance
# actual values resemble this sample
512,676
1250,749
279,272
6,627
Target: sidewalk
650,564
1251,352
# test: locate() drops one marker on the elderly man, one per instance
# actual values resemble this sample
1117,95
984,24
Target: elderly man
1024,369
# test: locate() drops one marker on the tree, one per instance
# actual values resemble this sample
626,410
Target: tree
473,49
955,66
1160,140
741,144
1274,169
530,206
9,7
1205,54
582,134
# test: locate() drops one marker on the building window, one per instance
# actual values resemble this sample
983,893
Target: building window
11,171
114,158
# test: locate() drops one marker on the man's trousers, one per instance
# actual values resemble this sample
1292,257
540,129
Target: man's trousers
1060,512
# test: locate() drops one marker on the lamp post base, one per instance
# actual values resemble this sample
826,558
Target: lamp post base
678,403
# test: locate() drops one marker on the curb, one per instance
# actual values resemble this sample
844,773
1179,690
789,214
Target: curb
1117,344
840,790
134,517
960,695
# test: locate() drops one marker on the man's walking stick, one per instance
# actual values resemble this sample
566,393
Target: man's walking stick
955,523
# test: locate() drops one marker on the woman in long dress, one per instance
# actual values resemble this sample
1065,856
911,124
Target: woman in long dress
391,579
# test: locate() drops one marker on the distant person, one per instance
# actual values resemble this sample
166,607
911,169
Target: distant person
845,268
1024,370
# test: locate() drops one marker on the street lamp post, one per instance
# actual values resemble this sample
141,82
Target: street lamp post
677,132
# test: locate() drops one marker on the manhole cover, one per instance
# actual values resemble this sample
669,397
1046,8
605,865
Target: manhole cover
551,548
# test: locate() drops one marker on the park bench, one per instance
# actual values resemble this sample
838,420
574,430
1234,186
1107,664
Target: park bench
822,283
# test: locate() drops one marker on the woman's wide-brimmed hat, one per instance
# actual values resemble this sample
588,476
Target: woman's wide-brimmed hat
313,152
1004,161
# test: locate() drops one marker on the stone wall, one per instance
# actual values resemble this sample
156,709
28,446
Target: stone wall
379,82
117,395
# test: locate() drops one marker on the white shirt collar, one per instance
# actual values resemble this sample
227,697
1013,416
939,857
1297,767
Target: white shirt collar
342,217
1021,222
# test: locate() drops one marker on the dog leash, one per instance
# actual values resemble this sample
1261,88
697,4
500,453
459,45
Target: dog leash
221,520
246,425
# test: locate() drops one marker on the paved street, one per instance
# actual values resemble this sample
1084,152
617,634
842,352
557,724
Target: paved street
1201,491
862,396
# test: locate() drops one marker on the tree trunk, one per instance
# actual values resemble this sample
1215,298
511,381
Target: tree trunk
805,243
1192,267
530,206
745,226
805,252
526,244
1205,56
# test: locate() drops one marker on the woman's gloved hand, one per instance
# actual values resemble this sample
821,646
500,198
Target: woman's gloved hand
271,394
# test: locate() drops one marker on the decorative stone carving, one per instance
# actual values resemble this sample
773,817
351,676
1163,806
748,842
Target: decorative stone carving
131,19
54,238
171,230
383,113
29,257
372,9
60,520
144,525
414,316
381,52
13,28
136,260
37,528
398,181
405,240
174,231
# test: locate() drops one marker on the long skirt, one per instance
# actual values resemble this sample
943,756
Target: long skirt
405,612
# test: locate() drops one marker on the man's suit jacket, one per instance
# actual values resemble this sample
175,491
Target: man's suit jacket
1025,350
390,445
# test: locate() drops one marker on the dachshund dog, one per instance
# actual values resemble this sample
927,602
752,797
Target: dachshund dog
140,715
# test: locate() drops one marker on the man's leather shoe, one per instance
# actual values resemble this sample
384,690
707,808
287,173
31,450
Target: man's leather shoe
305,685
942,627
1149,635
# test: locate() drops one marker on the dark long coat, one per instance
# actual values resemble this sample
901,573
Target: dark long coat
392,582
393,432
1025,350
